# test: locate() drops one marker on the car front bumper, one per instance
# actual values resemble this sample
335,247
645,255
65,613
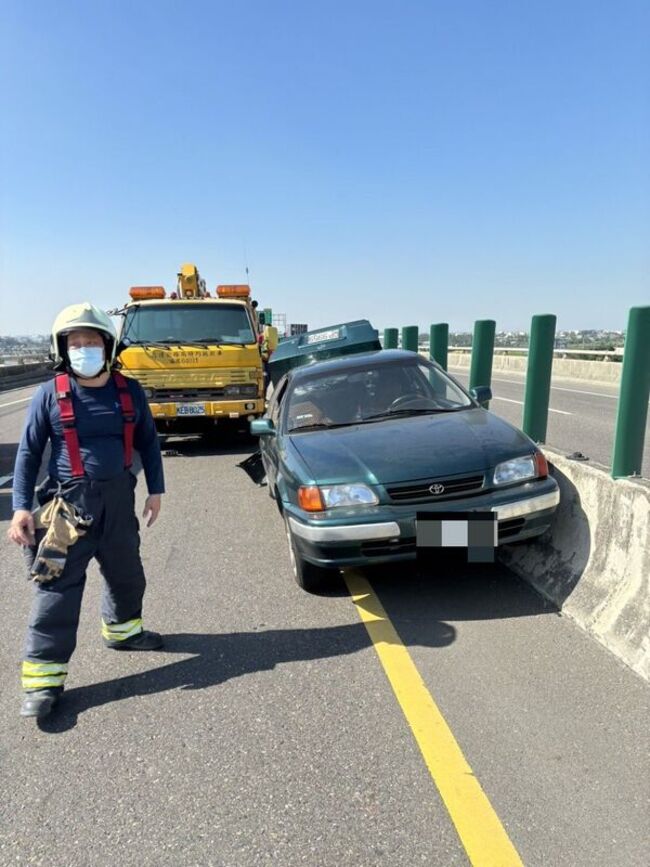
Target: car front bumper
386,532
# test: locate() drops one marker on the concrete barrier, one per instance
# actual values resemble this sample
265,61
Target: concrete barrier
607,372
15,375
594,563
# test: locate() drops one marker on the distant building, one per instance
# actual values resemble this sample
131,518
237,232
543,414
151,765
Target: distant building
296,328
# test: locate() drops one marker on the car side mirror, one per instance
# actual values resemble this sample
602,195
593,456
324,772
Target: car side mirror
482,394
262,427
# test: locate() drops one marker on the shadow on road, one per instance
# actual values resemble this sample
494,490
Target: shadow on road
217,658
417,604
222,443
415,599
555,562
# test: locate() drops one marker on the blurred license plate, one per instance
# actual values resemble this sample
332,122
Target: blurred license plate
190,409
474,535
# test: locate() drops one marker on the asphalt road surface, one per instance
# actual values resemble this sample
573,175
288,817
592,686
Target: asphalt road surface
582,415
271,730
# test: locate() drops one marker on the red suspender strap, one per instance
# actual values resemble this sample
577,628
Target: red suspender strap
128,414
66,408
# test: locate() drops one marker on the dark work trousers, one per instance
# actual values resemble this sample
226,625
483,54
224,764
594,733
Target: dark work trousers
114,540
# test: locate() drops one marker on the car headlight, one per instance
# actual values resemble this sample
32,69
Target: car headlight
348,495
516,470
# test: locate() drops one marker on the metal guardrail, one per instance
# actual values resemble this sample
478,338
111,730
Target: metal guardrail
607,354
632,410
15,375
24,358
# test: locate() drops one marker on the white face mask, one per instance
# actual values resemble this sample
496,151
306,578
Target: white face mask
87,361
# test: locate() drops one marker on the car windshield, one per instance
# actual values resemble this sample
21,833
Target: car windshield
178,323
371,394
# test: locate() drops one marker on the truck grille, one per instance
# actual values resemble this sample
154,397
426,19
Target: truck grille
420,492
201,378
165,395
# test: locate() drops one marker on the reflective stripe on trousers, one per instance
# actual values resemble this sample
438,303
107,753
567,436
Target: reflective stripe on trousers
43,675
114,541
121,631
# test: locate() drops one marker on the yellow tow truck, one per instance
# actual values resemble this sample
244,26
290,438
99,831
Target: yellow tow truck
197,356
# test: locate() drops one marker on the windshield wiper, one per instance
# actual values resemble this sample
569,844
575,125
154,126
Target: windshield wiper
392,413
203,341
159,344
319,425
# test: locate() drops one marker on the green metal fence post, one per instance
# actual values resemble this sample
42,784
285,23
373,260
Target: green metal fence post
633,396
480,372
439,343
538,376
391,336
410,334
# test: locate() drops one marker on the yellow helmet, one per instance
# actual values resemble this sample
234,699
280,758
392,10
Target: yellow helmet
78,316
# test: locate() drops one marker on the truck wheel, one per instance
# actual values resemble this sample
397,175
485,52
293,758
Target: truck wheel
313,579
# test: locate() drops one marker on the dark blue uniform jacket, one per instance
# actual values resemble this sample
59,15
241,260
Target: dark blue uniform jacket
101,438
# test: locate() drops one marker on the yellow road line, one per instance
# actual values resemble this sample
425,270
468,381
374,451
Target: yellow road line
478,826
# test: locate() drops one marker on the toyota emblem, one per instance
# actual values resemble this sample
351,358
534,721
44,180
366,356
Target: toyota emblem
437,489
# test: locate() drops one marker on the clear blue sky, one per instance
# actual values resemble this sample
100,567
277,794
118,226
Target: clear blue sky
407,161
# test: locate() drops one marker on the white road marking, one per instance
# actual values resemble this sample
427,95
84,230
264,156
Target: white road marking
521,381
521,403
14,402
5,479
560,388
591,393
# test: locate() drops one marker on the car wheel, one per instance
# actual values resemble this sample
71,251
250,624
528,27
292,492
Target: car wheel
309,577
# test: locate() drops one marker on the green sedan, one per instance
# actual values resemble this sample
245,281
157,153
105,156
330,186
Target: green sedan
361,451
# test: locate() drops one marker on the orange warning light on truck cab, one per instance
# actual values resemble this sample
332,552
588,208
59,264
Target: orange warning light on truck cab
234,290
143,293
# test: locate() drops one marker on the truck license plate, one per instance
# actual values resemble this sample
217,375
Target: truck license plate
190,409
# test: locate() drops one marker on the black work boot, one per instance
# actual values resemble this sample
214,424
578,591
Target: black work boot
40,702
144,640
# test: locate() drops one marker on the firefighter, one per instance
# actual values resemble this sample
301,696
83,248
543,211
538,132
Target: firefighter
94,418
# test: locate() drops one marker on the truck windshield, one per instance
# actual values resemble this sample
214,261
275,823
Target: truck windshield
188,323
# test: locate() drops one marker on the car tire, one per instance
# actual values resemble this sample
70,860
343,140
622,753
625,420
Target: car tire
311,578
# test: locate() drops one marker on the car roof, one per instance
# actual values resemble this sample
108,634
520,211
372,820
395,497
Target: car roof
358,361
